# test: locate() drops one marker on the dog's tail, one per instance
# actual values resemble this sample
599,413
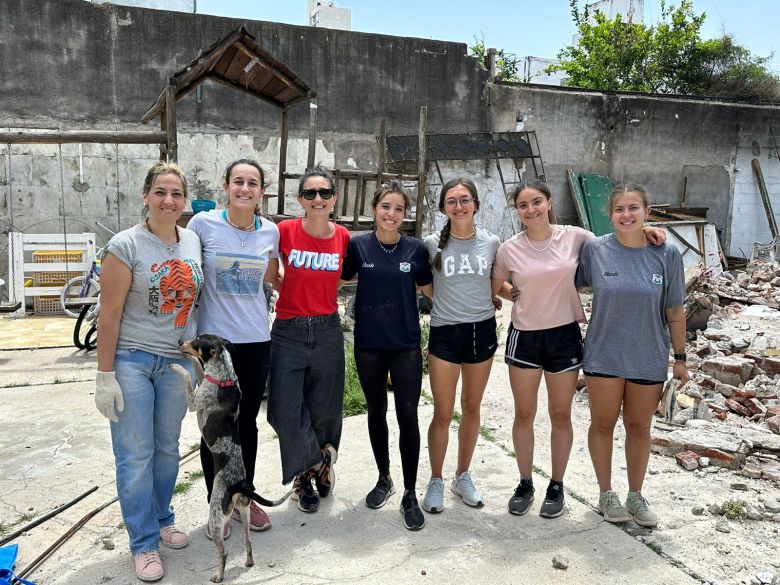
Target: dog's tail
243,487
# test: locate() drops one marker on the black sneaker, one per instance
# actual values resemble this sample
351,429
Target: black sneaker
378,496
552,507
521,500
325,477
413,516
308,501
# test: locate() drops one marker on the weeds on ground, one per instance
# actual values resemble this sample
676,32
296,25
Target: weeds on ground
16,385
354,400
487,433
734,509
425,334
6,527
655,547
185,485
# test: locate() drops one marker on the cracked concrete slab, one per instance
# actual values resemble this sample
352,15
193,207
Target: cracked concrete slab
55,446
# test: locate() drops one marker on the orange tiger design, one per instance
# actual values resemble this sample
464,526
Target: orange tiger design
179,288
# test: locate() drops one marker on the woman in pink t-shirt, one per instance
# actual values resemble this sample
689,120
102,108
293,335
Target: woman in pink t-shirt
544,336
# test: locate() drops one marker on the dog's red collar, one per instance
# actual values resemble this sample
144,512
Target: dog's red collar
221,384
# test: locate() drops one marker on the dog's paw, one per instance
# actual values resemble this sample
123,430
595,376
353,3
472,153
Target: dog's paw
182,371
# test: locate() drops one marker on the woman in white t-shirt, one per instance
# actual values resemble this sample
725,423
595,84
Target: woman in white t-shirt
240,253
544,336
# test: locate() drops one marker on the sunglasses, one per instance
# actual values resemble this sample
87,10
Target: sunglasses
310,194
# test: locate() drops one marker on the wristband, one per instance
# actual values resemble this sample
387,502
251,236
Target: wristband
680,357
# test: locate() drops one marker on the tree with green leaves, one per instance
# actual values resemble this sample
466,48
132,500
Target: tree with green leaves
506,63
667,57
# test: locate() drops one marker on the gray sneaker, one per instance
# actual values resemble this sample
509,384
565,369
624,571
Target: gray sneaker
639,508
434,496
611,508
522,498
464,487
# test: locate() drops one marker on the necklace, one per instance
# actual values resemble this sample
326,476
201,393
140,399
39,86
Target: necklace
167,246
527,239
468,237
388,250
242,229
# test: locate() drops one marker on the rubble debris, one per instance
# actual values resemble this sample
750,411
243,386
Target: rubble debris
560,562
774,424
688,460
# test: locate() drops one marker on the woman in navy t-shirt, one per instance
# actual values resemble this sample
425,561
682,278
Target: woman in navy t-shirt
391,267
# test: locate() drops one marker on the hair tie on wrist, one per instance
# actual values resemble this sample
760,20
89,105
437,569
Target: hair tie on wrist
438,250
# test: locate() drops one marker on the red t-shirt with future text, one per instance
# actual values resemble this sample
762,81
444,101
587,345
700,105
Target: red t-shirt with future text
312,268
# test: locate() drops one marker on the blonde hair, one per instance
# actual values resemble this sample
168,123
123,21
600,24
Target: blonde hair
157,170
627,187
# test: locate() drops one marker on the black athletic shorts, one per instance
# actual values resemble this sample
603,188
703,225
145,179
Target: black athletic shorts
554,350
632,380
464,343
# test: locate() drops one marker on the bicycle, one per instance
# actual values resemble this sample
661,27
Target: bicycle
86,286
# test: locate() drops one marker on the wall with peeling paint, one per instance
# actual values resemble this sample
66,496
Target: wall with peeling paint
657,141
70,64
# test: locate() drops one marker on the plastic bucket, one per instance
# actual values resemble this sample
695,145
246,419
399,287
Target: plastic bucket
199,205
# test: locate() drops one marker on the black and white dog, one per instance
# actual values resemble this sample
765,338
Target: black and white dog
216,400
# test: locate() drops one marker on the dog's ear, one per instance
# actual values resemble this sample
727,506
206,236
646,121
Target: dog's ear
228,345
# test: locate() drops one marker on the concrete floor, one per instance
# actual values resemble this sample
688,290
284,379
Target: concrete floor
55,446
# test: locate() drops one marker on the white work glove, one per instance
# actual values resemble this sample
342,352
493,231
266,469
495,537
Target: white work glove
107,394
271,296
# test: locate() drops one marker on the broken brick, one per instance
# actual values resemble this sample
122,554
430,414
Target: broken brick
729,369
688,460
773,411
736,407
774,424
755,406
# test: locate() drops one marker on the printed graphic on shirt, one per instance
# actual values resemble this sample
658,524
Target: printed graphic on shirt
465,264
405,267
239,275
313,260
174,288
658,279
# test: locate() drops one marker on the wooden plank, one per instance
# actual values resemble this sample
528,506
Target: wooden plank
597,190
170,119
421,169
345,196
82,238
282,161
313,134
359,194
39,291
82,137
79,267
774,141
578,198
770,215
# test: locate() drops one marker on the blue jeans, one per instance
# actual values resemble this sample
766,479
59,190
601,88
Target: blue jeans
306,390
145,441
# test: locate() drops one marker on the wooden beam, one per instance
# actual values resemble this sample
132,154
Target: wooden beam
770,215
313,134
82,137
421,164
170,118
282,161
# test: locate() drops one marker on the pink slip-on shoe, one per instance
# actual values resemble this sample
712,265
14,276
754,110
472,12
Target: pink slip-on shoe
172,537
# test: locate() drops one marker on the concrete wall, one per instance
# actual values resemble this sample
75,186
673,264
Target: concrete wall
71,64
656,141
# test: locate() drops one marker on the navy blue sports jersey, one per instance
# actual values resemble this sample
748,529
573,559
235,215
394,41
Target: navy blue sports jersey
386,314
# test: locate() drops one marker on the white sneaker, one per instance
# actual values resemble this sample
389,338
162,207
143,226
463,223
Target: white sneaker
434,496
464,486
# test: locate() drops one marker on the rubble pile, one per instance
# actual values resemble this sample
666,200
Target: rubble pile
759,284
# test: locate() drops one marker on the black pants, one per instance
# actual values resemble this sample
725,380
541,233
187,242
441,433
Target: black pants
405,368
251,362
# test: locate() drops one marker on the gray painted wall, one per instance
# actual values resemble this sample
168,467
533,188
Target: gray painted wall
71,64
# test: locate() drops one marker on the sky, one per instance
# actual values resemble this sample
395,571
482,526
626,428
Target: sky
538,28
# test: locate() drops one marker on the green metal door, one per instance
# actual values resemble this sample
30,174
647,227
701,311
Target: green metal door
597,190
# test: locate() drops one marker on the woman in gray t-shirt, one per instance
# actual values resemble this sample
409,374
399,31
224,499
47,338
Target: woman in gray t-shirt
462,336
150,281
638,294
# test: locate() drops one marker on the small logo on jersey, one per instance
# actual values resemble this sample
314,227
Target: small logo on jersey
573,361
610,274
405,267
491,347
658,279
367,265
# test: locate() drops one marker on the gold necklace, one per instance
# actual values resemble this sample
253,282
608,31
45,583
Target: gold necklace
243,229
169,247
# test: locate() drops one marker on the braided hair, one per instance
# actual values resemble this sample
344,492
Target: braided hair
444,235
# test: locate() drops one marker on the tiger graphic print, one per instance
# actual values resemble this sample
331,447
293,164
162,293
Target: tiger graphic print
175,286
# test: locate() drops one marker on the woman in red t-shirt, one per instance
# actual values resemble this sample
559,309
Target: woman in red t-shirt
306,394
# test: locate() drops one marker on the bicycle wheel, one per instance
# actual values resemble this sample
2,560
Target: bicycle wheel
72,292
77,338
90,339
